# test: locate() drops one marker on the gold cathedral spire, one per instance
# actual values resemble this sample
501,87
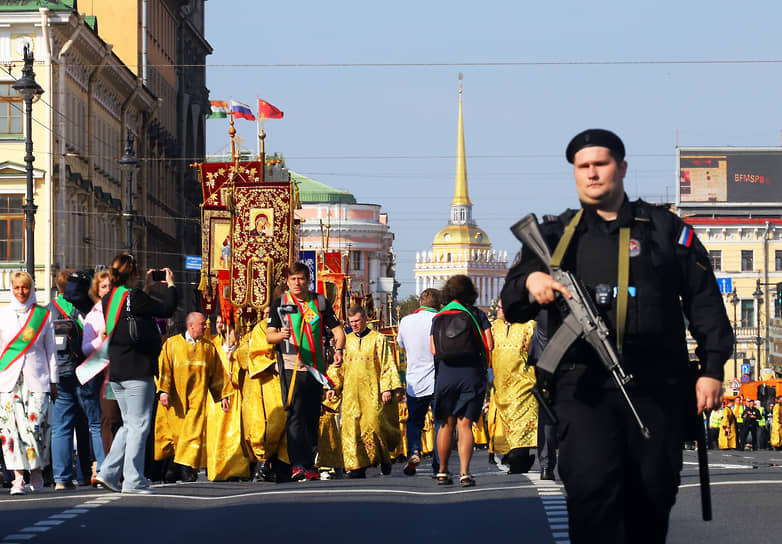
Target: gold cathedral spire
460,196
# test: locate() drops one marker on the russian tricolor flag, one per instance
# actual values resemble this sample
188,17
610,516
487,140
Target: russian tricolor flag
685,238
242,111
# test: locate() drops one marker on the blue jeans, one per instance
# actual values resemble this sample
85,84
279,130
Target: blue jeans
416,415
126,458
71,398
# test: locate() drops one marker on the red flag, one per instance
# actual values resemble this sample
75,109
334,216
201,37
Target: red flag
267,111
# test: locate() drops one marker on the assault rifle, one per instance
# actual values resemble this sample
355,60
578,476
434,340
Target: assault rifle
580,320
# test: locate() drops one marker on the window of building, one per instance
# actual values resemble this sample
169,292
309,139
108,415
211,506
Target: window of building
11,229
356,260
777,259
747,260
10,110
748,313
716,259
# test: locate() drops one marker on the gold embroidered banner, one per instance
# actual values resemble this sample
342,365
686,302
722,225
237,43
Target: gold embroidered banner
216,177
261,240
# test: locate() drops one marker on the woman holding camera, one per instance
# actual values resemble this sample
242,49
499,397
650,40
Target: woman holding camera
133,365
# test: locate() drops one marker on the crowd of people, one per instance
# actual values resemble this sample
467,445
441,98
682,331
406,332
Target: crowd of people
743,423
300,396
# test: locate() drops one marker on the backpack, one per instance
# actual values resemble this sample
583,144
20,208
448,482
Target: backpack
77,290
457,338
67,339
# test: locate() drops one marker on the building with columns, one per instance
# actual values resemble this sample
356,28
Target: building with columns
333,220
112,69
462,247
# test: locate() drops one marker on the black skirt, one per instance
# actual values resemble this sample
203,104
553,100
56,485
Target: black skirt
459,391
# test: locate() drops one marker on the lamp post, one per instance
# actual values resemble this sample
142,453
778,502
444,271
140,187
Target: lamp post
758,294
30,91
128,163
734,300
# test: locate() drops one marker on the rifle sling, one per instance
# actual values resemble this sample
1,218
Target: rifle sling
623,281
564,242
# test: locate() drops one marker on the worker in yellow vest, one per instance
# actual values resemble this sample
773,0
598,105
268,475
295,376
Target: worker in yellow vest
715,422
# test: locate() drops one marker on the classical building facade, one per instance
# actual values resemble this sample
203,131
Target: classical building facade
333,219
462,247
94,96
746,253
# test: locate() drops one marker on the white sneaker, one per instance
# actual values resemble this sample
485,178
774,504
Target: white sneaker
139,491
17,488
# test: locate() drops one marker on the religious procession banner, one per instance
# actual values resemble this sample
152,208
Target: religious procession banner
247,234
309,258
218,179
261,240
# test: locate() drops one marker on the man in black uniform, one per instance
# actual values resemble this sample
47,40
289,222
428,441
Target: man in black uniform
751,417
620,486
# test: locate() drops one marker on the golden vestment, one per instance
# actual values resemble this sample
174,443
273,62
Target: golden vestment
479,431
329,439
427,435
370,429
776,426
514,418
226,457
263,413
189,372
727,436
401,449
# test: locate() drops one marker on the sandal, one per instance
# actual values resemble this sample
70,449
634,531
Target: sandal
466,480
444,478
412,464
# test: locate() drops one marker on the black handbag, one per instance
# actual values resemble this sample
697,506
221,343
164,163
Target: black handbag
142,330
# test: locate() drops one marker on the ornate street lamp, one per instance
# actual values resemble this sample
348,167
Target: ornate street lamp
129,164
30,92
758,294
734,300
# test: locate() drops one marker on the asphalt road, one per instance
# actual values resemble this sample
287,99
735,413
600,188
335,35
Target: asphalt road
746,495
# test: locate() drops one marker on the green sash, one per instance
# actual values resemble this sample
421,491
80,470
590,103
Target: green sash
66,309
116,301
307,334
25,337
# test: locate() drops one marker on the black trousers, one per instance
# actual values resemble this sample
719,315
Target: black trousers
746,429
620,486
302,426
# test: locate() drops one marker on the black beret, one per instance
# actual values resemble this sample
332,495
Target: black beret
595,137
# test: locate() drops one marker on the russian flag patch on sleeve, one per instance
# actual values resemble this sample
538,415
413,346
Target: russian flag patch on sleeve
685,238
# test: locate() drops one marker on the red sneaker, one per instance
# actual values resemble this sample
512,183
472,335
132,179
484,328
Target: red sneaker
298,473
311,474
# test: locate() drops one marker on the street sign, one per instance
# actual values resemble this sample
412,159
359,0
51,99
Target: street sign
726,285
735,384
192,262
745,369
744,378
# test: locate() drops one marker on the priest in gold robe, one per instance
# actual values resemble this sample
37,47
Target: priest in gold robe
263,413
371,384
226,457
776,424
190,372
727,438
514,417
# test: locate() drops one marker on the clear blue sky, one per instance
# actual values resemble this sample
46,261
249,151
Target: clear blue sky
535,74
